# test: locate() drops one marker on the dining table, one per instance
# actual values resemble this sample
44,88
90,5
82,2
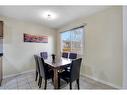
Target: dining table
57,65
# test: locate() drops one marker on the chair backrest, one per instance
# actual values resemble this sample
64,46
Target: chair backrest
72,55
44,55
75,69
65,55
41,66
37,63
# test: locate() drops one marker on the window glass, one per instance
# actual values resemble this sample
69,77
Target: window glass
72,41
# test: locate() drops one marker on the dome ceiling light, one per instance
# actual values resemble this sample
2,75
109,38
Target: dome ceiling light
49,15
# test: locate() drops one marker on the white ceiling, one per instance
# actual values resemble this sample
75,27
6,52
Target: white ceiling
65,14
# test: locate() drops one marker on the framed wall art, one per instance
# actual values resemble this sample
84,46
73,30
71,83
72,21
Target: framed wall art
35,38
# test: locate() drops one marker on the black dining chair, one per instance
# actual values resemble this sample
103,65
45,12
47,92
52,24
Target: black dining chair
44,55
37,71
72,55
65,55
45,72
73,74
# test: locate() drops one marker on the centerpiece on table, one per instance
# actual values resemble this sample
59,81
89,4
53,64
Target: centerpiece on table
53,58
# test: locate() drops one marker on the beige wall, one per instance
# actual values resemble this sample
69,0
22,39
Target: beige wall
103,45
125,47
18,56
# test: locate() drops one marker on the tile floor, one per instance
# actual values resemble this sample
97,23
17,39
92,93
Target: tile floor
27,81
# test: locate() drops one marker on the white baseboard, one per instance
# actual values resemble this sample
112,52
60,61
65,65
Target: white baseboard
101,81
12,75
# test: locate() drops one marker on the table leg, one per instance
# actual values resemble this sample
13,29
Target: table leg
55,78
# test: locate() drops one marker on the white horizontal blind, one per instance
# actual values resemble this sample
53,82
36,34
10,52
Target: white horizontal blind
72,40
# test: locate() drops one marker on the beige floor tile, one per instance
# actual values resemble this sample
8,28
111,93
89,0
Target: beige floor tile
27,81
26,86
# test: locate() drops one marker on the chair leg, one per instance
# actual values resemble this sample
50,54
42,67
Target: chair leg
36,76
40,81
52,80
70,85
77,83
58,82
45,84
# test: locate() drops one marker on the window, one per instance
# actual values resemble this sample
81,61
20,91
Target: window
72,40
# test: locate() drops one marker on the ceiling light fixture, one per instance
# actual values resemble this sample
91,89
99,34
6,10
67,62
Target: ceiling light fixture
49,15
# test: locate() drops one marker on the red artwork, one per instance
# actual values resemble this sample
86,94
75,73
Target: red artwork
34,38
